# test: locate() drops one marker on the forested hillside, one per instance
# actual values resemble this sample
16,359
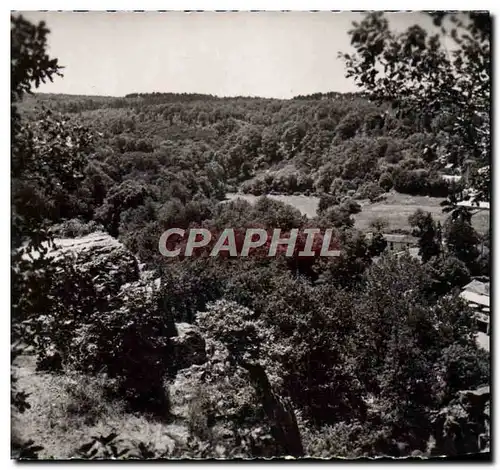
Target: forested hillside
163,159
322,143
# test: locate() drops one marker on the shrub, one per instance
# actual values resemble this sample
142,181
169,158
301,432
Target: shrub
385,181
85,399
129,342
77,228
336,217
124,334
339,187
52,299
187,286
314,370
438,187
351,206
447,273
326,201
369,191
348,126
464,367
348,440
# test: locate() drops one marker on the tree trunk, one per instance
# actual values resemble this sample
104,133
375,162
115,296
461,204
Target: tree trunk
281,415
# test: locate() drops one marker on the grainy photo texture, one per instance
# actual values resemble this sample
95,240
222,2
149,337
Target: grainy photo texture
247,235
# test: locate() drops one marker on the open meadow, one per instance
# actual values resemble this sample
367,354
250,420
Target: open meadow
395,208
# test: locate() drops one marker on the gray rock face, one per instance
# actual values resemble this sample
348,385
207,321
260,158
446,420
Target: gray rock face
106,259
116,274
110,266
188,346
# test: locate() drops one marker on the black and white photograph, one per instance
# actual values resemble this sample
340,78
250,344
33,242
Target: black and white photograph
250,235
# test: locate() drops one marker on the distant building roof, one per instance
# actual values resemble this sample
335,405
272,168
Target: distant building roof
478,287
483,340
483,300
472,194
451,177
482,205
413,252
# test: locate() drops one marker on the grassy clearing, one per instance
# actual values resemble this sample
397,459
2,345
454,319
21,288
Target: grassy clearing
395,209
398,207
67,409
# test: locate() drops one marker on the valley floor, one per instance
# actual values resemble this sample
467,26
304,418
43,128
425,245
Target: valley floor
395,209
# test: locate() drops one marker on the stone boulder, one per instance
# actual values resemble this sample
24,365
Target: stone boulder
110,267
107,260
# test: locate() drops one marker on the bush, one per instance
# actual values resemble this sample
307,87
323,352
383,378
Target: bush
52,298
438,187
187,286
409,181
349,440
348,126
369,191
351,206
124,334
326,201
129,342
385,181
447,273
336,217
85,399
464,368
77,228
314,372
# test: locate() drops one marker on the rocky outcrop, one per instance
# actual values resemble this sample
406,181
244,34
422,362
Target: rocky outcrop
117,276
463,427
188,346
148,282
106,259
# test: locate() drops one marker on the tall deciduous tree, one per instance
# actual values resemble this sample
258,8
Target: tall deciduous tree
422,78
47,160
48,155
